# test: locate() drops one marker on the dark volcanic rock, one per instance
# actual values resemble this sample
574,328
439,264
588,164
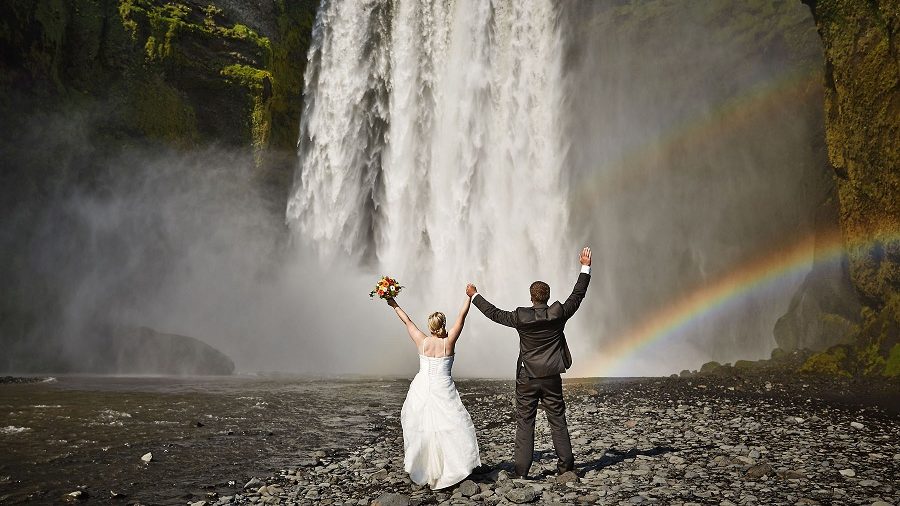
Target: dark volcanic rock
19,379
706,440
758,471
391,500
824,311
468,488
567,477
521,495
145,351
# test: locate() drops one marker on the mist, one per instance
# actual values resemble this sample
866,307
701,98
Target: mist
696,144
683,151
183,242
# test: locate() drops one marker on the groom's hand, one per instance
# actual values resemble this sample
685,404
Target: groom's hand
471,290
586,256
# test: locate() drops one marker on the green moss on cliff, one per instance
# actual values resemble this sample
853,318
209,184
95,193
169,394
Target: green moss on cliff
875,351
203,55
161,112
892,364
245,75
259,83
177,72
862,128
294,30
862,104
830,362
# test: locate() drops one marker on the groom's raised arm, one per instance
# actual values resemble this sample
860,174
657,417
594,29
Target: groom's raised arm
584,278
500,316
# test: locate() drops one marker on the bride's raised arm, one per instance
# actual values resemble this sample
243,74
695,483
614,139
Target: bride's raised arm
456,330
414,333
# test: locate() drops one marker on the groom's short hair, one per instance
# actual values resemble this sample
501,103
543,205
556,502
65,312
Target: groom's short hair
540,292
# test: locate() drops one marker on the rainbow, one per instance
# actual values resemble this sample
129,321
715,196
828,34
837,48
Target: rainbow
724,292
720,294
794,260
729,116
749,279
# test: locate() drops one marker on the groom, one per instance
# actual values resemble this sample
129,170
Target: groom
543,355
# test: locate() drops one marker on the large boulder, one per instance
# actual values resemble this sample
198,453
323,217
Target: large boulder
113,349
145,351
824,311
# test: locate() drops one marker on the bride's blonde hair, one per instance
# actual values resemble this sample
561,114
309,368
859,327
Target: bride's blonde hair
437,324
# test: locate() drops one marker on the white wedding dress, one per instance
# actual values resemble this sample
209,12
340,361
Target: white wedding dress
440,448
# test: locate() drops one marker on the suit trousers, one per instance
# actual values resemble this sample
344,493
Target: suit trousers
548,390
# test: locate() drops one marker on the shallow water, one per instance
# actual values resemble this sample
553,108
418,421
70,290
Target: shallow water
92,431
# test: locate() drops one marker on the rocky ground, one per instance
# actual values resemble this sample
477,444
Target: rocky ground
696,440
20,380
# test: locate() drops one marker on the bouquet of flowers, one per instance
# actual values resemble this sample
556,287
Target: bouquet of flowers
386,288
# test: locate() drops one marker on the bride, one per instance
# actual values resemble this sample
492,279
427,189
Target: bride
439,442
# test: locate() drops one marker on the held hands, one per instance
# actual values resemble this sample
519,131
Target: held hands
471,290
585,256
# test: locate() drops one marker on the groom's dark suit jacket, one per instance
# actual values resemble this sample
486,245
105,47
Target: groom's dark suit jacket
542,344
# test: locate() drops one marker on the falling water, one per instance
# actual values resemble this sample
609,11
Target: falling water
430,146
452,141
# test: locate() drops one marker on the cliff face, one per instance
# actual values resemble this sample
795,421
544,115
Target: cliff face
183,73
862,129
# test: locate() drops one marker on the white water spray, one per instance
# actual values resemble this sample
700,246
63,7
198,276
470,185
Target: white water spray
431,146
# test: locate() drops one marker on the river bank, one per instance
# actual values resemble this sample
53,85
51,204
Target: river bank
701,440
763,439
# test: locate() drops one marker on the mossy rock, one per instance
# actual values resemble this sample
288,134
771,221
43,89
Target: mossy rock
831,362
745,365
892,363
710,367
779,354
161,112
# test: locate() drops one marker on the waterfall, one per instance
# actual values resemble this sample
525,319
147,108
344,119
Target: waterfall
431,145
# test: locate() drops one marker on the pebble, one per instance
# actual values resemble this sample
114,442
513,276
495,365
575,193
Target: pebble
658,441
78,495
468,488
389,499
758,471
147,457
567,477
521,495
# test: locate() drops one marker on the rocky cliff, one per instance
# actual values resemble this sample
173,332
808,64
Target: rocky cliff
184,73
862,129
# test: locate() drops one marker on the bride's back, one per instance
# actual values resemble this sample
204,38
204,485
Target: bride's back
437,347
438,344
